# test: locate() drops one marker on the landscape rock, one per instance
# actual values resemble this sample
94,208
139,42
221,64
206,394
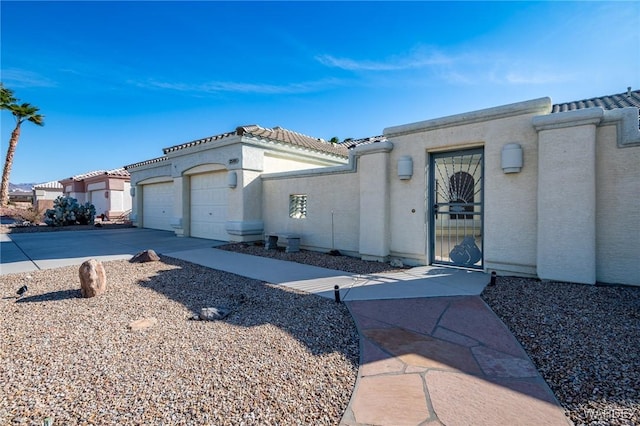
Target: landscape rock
396,263
213,314
93,279
143,323
145,256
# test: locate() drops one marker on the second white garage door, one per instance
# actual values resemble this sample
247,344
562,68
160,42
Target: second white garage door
157,204
209,206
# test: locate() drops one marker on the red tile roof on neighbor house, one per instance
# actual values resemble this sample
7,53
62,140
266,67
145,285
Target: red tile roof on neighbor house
630,98
114,172
276,134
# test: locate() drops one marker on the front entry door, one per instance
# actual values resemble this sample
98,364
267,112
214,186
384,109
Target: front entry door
456,184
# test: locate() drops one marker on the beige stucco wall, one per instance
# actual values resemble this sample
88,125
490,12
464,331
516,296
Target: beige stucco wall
509,238
331,198
617,210
572,212
276,162
566,204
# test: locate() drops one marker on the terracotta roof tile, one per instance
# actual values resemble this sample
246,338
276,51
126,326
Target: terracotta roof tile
279,134
114,172
87,175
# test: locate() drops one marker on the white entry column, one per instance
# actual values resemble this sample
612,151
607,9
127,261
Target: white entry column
567,195
374,170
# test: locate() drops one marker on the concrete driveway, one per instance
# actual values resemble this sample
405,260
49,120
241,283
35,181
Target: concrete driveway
25,252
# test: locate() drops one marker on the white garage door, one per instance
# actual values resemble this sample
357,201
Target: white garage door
99,201
157,205
209,206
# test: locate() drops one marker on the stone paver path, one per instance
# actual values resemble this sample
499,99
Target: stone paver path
444,361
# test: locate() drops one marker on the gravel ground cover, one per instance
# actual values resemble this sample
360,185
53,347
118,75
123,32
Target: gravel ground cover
75,356
281,357
340,263
584,340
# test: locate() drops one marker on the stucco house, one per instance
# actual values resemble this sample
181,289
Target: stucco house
44,194
530,189
108,190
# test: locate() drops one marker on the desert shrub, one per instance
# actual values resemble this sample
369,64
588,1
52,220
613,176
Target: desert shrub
86,214
31,215
66,211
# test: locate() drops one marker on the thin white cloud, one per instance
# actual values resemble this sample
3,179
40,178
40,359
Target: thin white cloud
239,87
417,59
17,78
533,78
466,68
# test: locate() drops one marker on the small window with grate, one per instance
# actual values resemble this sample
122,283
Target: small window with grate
297,206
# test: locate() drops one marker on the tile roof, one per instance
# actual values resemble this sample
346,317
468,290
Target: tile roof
630,98
114,172
198,142
352,143
279,134
144,163
48,185
276,134
121,171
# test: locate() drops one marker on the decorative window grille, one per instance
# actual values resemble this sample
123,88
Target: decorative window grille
461,195
297,206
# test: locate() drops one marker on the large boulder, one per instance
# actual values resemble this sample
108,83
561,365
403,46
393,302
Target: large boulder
93,279
145,256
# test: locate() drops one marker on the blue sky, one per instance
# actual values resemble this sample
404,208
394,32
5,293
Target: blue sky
119,81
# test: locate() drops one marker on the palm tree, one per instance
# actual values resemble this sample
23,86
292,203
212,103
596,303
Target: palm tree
21,112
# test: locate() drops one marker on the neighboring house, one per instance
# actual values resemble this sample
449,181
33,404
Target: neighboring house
529,189
44,195
20,197
108,190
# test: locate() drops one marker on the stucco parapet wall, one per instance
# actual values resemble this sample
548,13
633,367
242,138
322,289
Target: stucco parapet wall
535,106
559,120
350,167
626,122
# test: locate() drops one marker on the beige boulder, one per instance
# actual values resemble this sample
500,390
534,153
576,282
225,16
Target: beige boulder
93,279
145,256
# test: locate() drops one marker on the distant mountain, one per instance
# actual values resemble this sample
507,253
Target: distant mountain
22,187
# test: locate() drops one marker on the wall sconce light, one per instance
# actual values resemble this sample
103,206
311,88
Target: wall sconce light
132,191
232,179
106,194
405,167
511,158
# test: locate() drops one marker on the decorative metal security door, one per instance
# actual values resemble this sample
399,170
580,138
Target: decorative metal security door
456,198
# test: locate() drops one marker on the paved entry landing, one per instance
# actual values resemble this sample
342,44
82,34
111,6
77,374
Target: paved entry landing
444,361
